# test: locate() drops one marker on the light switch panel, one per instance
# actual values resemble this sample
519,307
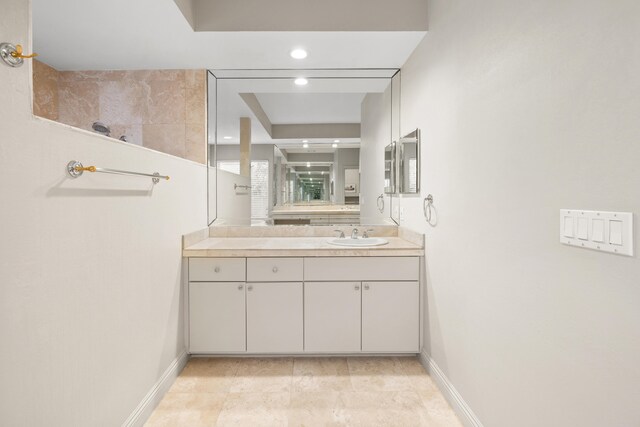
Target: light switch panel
602,231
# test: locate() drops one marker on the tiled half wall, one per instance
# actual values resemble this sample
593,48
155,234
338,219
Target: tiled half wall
164,110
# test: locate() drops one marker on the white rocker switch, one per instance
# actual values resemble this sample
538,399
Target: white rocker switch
568,227
583,226
597,230
615,232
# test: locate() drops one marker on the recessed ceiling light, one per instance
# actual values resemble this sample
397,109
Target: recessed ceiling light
305,140
308,173
309,165
305,145
226,137
336,140
298,53
334,145
301,81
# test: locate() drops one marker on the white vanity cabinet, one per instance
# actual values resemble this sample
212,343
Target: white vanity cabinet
217,305
381,303
332,317
274,305
294,305
274,317
390,317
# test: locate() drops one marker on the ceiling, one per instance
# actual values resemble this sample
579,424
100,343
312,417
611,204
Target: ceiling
298,108
330,100
154,34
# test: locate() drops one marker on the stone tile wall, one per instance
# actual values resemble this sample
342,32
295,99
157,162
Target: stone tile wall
164,110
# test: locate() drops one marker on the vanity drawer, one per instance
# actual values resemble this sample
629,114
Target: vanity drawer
217,269
275,270
361,268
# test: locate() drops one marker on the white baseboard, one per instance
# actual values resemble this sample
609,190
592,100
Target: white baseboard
142,413
462,410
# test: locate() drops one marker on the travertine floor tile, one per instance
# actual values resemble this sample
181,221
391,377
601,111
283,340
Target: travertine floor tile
268,375
206,375
187,409
314,374
439,410
416,373
377,374
331,391
378,408
255,409
316,408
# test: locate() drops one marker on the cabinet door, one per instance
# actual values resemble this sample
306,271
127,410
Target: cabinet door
332,316
216,317
274,317
390,317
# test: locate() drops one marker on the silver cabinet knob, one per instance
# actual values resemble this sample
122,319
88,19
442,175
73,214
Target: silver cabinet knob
217,269
275,269
249,288
356,287
366,287
240,287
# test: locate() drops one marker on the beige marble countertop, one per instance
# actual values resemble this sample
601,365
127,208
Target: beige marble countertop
294,246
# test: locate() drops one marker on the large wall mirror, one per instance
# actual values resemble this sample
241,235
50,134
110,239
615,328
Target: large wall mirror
298,147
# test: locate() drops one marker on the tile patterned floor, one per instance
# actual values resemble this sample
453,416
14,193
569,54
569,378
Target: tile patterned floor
296,392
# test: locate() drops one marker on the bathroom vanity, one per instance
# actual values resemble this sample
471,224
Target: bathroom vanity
286,290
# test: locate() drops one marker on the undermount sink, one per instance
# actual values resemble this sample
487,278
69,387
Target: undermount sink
359,242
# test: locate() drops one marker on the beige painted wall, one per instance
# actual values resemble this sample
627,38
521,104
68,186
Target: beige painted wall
165,110
527,108
90,269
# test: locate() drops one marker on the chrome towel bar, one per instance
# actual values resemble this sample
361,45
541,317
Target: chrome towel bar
236,186
76,169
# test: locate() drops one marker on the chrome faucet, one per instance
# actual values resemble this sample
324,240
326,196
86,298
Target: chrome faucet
354,233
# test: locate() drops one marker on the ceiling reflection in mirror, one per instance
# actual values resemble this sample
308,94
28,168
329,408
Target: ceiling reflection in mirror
285,146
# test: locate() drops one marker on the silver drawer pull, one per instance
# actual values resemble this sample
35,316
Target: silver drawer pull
275,269
217,269
240,287
249,288
366,287
356,287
